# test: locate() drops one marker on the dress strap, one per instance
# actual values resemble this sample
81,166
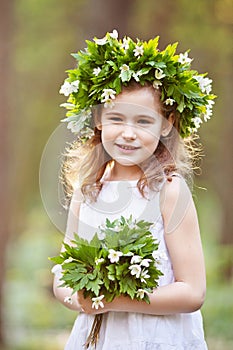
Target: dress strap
174,174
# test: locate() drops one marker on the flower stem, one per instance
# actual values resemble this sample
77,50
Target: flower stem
93,336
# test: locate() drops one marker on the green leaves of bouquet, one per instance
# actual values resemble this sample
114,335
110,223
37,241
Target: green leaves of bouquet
119,260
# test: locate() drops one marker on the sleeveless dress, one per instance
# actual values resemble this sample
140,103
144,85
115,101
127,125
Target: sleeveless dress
135,331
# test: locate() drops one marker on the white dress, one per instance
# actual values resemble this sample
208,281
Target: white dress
135,331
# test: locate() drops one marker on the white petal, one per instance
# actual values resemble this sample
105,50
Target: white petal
56,269
114,34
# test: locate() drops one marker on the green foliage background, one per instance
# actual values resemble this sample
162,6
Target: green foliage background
44,34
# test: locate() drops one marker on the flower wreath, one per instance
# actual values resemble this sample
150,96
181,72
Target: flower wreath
107,64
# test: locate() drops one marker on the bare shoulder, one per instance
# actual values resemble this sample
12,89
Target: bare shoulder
176,202
175,189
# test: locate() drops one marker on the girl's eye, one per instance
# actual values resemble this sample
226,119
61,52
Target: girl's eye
144,121
116,119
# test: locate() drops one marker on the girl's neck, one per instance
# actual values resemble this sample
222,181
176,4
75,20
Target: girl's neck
118,172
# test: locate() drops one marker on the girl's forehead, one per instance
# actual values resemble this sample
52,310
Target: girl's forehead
131,110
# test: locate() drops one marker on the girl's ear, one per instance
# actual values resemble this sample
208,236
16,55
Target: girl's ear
99,126
97,120
168,124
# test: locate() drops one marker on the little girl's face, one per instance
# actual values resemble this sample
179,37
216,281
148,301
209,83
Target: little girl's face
132,128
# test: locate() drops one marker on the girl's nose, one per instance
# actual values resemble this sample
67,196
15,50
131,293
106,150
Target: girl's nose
129,133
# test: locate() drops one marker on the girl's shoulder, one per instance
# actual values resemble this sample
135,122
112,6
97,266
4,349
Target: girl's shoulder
174,182
175,194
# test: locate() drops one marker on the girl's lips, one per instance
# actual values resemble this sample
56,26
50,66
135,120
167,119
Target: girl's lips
127,148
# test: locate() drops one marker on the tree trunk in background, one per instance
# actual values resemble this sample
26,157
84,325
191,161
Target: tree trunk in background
5,44
225,175
104,16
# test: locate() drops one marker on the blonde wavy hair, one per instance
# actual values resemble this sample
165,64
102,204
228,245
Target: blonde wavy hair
84,164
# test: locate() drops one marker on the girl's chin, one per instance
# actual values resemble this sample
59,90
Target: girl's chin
130,161
125,162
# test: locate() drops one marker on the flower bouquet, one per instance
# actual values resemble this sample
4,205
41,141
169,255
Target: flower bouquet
121,259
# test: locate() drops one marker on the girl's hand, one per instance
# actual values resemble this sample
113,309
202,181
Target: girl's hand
120,303
86,305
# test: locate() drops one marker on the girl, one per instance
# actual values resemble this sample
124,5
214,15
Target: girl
134,108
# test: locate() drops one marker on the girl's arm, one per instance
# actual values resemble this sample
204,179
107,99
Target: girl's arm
62,293
187,292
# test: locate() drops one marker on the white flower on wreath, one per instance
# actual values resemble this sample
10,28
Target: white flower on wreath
75,85
169,101
85,114
124,68
96,71
136,76
138,51
159,74
102,41
183,58
76,123
157,84
114,256
197,122
68,88
109,104
125,72
208,113
135,270
67,105
140,293
125,44
114,34
74,126
204,83
108,94
97,302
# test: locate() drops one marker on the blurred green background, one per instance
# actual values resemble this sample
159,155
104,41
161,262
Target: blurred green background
36,39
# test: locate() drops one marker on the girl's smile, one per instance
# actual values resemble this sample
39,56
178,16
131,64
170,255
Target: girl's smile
127,148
